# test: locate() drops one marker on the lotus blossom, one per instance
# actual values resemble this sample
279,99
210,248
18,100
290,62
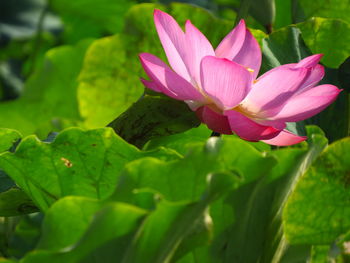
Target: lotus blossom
222,87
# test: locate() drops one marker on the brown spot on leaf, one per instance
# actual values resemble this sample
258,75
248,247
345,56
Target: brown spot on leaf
66,162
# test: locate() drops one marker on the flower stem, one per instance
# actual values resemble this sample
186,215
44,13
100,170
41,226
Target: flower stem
215,134
243,10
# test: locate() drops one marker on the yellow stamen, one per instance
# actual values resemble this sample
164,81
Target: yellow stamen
250,69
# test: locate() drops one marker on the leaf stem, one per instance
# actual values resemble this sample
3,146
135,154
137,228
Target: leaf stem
348,114
215,134
38,38
243,10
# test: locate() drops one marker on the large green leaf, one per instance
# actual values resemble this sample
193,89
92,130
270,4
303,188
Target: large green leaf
8,138
109,80
49,95
97,224
321,35
78,162
282,47
318,211
331,9
263,11
25,235
257,209
88,18
185,179
15,202
94,225
59,230
152,117
329,37
283,13
181,142
163,231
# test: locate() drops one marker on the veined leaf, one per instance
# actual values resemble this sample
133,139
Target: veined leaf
77,162
318,211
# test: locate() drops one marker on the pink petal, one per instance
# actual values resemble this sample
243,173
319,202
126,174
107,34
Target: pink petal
198,47
273,89
279,125
285,138
172,84
309,61
173,41
248,129
214,121
226,82
250,54
232,43
308,103
315,76
151,85
316,73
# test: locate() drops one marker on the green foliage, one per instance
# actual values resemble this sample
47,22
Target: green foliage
105,88
264,11
155,187
330,9
88,18
76,163
153,117
50,94
328,37
15,202
8,139
320,216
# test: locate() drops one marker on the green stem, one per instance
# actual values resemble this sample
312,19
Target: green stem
38,38
348,114
294,11
215,134
243,10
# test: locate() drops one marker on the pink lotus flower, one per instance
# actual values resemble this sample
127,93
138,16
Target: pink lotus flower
221,87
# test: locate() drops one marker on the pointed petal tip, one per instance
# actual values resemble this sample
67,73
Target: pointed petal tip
152,85
144,55
159,15
157,12
285,138
317,56
310,61
242,22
